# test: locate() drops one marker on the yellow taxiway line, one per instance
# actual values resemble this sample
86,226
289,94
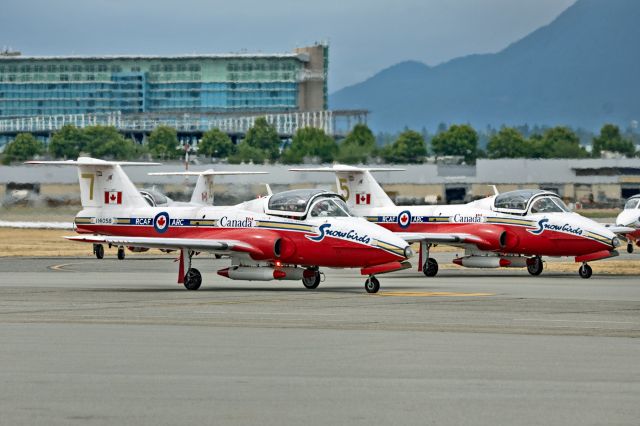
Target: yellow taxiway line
431,294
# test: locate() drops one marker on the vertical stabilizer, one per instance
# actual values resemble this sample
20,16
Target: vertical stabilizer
203,191
103,183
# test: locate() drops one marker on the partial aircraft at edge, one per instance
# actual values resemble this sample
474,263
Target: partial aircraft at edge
629,219
285,236
512,229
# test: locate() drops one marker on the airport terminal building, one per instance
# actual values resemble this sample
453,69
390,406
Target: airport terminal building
39,94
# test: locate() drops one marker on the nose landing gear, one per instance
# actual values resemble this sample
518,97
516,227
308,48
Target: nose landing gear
629,247
535,266
311,278
585,271
372,285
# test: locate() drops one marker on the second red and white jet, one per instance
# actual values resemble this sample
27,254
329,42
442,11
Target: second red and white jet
512,229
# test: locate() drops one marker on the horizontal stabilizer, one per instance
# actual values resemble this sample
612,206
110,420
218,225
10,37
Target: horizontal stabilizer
209,172
344,168
88,161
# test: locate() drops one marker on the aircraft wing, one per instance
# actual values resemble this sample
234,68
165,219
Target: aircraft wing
433,237
198,244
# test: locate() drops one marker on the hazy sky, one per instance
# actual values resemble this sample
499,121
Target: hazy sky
365,36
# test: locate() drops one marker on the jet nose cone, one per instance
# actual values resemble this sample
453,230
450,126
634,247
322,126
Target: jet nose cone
390,242
628,218
408,252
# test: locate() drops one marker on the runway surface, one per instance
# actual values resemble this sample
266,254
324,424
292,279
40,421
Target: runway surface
95,342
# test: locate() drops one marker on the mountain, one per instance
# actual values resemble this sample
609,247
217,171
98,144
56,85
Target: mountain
582,70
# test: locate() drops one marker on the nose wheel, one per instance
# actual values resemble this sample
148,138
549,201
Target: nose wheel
629,247
372,285
311,278
585,271
534,266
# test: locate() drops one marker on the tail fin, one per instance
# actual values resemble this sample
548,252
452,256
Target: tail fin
203,191
357,185
103,183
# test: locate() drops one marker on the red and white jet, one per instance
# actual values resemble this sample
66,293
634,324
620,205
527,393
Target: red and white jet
285,236
512,229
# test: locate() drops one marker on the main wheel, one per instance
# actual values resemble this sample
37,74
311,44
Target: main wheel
192,279
311,281
535,267
630,247
98,249
121,253
372,285
585,271
431,268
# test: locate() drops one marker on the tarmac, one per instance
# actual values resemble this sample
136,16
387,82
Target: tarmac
93,342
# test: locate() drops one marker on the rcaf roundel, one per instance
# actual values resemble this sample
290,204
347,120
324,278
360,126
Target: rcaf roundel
404,219
161,222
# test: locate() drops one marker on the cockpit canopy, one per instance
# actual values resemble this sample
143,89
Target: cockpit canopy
632,202
155,198
299,203
529,200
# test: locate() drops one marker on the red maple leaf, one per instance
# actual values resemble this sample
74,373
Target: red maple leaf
161,221
113,197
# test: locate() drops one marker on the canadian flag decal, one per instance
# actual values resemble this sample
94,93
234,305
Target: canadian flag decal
363,198
113,197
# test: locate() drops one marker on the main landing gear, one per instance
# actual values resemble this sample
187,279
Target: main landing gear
430,268
192,278
98,250
629,247
311,278
585,271
430,265
372,285
535,266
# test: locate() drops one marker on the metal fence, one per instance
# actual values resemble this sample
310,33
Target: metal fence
286,124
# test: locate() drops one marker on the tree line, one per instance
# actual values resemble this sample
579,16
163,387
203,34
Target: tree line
262,144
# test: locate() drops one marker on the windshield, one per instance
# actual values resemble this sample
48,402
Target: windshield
329,208
515,200
631,204
292,201
548,205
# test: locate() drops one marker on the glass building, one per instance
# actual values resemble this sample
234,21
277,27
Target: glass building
227,83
